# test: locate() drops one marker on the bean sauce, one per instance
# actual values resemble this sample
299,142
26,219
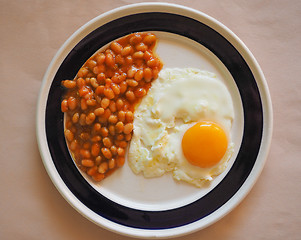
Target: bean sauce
99,102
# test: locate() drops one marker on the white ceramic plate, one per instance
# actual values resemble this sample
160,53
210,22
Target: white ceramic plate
146,208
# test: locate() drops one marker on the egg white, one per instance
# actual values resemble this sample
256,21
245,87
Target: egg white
178,99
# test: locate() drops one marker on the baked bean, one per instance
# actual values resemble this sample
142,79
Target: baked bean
98,99
88,96
149,39
106,153
104,132
147,74
119,127
95,149
115,88
80,82
122,144
83,104
131,72
93,82
116,47
135,39
121,116
138,55
111,163
97,127
84,136
87,80
64,106
83,91
108,82
99,90
69,135
91,102
103,167
112,130
128,128
98,160
107,142
107,113
113,150
138,75
82,119
108,92
129,60
140,92
75,117
73,145
129,116
130,96
128,137
119,60
155,72
115,78
101,77
122,77
152,62
98,69
120,151
69,84
82,72
99,111
87,163
119,104
100,58
141,47
85,153
68,123
90,118
132,82
92,171
126,105
110,61
123,87
127,51
113,107
109,51
120,161
98,177
120,137
91,63
105,102
147,55
113,119
96,138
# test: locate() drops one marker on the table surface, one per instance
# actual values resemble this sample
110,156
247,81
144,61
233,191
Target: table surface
31,32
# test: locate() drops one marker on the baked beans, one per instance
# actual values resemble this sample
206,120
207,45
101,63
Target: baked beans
99,102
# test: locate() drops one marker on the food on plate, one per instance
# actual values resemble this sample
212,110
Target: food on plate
183,126
99,102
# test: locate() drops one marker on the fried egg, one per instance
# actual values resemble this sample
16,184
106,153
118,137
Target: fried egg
183,126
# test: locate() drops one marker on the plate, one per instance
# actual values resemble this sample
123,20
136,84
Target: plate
129,204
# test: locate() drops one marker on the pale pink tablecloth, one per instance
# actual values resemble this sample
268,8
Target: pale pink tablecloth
31,32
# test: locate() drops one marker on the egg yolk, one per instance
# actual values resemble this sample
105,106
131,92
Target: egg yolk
204,144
